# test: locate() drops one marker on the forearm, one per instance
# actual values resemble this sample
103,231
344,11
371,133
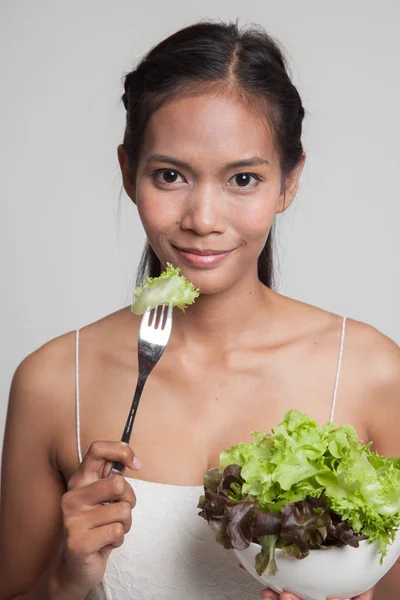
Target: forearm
49,587
42,591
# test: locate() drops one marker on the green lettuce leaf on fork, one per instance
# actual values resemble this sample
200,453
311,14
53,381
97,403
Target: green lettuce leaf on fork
302,487
169,287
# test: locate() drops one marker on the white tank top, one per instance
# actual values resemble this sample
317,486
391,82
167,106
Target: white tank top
170,553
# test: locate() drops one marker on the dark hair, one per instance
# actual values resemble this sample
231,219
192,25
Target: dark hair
246,60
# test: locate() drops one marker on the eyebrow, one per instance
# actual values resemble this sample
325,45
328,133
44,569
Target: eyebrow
252,161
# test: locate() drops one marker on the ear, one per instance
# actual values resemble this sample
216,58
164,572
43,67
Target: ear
291,186
127,178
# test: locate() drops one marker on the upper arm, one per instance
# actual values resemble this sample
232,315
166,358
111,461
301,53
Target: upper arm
383,396
383,421
30,512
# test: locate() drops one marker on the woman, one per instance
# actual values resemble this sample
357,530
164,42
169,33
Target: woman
212,152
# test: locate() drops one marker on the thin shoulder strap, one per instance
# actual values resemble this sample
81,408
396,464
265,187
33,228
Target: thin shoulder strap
335,391
77,406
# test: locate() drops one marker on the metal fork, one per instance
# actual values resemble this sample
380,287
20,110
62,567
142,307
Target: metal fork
153,337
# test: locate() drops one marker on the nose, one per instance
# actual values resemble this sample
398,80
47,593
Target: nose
204,211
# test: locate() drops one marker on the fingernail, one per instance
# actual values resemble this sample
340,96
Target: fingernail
136,463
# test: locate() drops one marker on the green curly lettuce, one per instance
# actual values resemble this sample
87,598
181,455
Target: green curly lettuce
302,487
169,287
299,459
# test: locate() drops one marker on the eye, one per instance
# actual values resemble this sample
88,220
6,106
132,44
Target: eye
245,180
168,176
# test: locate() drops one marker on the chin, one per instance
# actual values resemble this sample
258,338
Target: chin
219,278
212,282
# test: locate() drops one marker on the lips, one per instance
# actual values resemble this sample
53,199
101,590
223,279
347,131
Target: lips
203,258
202,252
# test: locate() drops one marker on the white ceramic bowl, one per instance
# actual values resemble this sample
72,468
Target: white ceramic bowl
342,572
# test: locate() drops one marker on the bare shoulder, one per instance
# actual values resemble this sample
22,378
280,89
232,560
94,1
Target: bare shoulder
52,365
38,405
373,357
372,370
376,350
45,380
369,385
45,373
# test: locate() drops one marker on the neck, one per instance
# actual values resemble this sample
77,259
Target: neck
225,316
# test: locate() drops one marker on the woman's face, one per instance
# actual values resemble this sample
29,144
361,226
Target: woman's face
207,188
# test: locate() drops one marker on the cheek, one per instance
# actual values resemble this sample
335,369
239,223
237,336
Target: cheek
157,214
254,220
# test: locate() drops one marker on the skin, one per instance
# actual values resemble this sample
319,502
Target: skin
261,340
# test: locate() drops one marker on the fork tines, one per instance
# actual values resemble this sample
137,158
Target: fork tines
157,319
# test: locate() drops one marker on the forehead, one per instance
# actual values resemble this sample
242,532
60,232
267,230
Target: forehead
218,128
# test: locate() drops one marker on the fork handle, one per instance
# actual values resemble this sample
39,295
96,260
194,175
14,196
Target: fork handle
117,467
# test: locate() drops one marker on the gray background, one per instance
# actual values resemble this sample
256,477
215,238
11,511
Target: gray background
70,240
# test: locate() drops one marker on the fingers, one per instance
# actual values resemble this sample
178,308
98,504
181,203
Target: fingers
97,513
274,596
102,490
289,596
270,594
98,455
119,512
366,596
89,525
88,542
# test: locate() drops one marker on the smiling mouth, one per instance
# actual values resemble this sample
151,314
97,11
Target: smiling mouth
203,259
203,252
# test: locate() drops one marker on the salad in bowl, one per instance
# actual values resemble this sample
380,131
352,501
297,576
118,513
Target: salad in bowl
307,509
